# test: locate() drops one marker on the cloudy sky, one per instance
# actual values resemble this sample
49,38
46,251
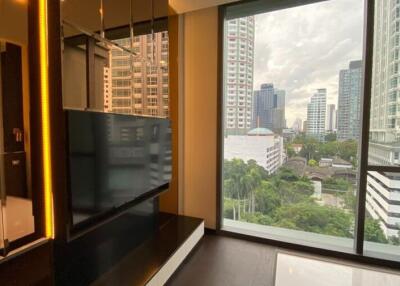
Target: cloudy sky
304,48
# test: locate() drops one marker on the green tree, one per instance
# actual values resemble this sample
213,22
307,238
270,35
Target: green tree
373,231
285,200
257,218
290,151
329,149
348,151
267,199
330,137
310,149
240,181
229,208
311,217
300,139
312,163
337,184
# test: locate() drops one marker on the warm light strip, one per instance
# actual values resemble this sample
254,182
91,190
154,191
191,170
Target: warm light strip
44,89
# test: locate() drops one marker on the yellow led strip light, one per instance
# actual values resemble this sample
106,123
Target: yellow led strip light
44,89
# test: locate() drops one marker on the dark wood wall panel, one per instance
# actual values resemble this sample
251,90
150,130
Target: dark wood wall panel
33,267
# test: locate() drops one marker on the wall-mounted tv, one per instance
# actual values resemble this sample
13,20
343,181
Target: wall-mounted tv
115,161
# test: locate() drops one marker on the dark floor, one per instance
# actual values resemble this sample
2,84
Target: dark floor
221,261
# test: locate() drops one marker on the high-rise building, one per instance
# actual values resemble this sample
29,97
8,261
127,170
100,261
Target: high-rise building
279,119
350,84
143,89
316,115
383,198
331,118
269,108
297,125
238,80
305,126
263,102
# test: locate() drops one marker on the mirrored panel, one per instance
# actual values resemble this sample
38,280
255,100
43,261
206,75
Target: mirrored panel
17,217
115,57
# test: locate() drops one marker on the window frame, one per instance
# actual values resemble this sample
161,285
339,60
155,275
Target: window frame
358,253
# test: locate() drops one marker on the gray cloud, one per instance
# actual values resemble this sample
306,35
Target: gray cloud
304,48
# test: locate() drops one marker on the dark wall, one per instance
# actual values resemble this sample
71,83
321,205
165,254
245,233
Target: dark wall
33,267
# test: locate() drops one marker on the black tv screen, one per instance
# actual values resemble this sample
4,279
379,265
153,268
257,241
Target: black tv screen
115,160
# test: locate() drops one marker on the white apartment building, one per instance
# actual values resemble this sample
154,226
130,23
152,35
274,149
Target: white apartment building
383,190
238,78
260,144
383,200
316,115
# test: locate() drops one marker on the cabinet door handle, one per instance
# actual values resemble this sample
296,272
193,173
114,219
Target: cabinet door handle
18,134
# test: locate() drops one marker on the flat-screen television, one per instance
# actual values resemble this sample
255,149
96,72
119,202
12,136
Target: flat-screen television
115,161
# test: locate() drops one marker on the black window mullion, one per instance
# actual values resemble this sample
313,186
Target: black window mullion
381,168
365,117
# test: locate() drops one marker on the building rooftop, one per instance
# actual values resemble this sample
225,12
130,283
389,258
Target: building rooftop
297,165
260,132
340,161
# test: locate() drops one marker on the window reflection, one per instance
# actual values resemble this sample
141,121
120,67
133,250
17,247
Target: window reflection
114,73
17,221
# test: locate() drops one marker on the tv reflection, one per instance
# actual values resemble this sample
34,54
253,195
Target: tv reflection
114,160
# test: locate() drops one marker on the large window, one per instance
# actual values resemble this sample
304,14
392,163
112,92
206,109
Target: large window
293,157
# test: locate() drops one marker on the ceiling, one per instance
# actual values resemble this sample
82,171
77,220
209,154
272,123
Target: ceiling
184,6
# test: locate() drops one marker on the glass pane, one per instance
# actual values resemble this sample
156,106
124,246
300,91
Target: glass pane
384,145
383,189
382,225
291,122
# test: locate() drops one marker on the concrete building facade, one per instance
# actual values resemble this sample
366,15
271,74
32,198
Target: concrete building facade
259,144
316,115
238,78
383,189
349,101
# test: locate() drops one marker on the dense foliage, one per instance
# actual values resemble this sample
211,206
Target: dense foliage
315,150
286,200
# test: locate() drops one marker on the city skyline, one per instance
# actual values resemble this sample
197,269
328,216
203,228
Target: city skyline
299,66
269,108
321,99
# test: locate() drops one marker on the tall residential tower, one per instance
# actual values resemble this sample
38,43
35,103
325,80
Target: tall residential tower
238,80
383,196
316,115
350,84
